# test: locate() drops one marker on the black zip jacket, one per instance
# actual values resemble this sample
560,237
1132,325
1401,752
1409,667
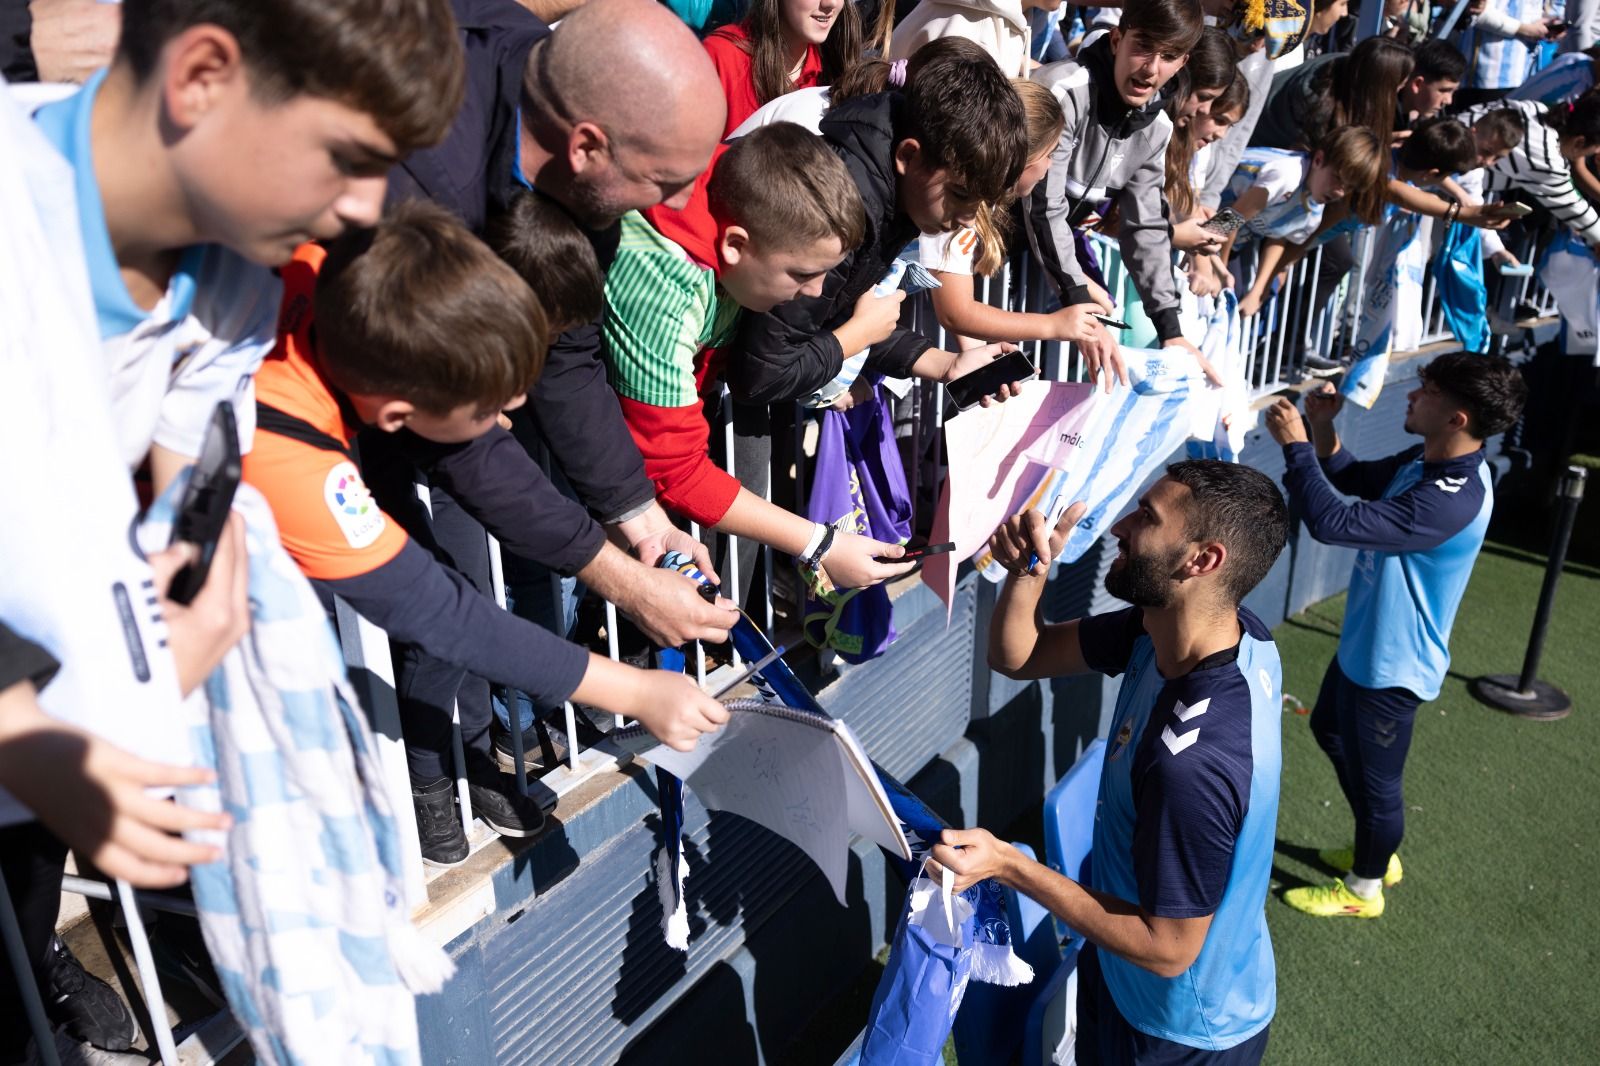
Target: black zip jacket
790,351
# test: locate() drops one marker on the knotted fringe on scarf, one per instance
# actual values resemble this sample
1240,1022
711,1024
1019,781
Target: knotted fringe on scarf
674,912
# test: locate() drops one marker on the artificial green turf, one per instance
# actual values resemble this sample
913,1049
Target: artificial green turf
1487,951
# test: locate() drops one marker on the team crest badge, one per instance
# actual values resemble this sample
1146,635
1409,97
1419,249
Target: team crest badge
1124,735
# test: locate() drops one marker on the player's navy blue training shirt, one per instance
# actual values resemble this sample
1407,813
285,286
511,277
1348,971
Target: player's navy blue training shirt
1185,824
1419,527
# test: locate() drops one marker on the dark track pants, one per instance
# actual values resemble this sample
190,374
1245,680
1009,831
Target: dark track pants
1366,734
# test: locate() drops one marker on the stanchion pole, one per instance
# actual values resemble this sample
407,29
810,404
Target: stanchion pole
1526,695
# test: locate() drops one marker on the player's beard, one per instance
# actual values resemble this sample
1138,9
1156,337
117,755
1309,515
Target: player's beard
1145,580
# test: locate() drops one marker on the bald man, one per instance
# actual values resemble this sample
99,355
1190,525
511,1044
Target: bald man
619,108
620,111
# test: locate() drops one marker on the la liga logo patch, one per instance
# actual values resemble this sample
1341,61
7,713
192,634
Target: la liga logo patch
352,506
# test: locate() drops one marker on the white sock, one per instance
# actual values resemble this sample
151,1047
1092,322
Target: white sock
1365,887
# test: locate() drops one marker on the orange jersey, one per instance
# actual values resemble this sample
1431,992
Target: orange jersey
327,519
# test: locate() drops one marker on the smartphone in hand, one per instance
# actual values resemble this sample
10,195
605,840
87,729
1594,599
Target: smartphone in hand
207,499
1223,222
967,390
912,554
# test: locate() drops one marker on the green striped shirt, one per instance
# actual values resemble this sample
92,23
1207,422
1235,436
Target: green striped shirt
662,310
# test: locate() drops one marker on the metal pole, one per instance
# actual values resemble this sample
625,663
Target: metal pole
1526,695
1451,19
1570,495
1369,21
27,987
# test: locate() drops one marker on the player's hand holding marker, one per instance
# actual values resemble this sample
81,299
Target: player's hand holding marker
1027,542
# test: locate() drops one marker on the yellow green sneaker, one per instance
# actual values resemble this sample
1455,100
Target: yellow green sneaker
1342,859
1333,901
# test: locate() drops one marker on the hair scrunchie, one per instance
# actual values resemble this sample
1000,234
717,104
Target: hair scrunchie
897,73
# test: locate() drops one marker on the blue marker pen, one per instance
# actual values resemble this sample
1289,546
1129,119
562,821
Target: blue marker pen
1051,517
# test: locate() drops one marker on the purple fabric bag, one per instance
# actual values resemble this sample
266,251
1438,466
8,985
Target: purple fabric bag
859,487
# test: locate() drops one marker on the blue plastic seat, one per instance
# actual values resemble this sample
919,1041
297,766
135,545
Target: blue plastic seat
1069,811
988,1028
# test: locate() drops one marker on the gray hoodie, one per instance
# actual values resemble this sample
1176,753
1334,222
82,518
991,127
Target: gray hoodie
1107,149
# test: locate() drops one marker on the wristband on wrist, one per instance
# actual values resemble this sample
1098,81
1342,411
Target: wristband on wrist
817,547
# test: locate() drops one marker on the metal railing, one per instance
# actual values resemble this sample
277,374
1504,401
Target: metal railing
1276,341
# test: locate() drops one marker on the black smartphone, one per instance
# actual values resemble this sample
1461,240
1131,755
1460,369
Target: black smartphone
207,499
1223,222
967,390
920,551
1109,322
1558,26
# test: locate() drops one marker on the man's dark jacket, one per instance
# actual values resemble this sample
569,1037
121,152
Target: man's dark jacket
471,172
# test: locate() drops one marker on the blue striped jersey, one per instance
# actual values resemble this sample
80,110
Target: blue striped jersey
1568,78
1290,213
1495,61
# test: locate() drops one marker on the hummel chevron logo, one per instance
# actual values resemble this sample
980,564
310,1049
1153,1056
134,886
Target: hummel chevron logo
1176,743
1450,484
1183,713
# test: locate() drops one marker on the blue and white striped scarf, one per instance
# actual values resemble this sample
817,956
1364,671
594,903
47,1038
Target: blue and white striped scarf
306,915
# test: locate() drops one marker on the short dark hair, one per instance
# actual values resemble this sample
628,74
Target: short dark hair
399,61
421,309
1438,60
1504,124
966,117
1440,143
1240,508
544,245
785,186
1174,24
1488,388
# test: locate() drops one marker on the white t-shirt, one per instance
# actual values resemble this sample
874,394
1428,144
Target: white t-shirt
951,253
1472,184
1200,166
74,584
1289,214
168,366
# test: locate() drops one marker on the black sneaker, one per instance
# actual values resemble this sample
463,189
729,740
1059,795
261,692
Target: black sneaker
1525,315
84,1006
444,844
495,799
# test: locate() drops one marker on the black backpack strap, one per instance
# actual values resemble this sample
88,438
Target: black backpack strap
284,424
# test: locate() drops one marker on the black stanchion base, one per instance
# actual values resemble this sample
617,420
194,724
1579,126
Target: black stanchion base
1545,703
